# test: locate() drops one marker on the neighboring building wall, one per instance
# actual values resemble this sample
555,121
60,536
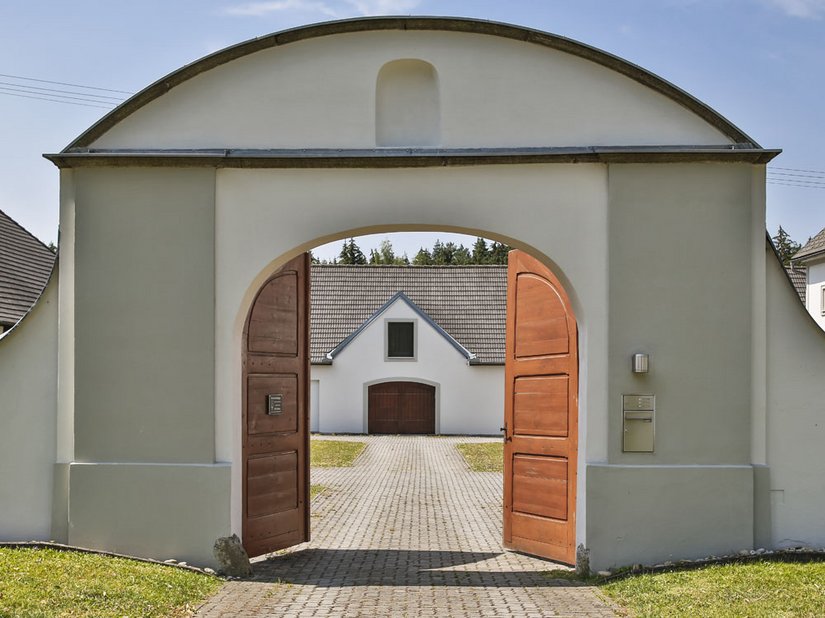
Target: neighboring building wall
816,292
469,399
796,418
28,412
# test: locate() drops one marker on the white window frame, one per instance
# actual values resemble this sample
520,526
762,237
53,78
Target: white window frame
387,357
822,300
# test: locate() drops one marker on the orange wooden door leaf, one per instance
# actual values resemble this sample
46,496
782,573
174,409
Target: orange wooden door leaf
540,413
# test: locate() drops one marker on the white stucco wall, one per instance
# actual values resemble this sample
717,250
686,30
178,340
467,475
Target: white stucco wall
796,417
321,93
814,297
265,217
635,246
28,412
469,399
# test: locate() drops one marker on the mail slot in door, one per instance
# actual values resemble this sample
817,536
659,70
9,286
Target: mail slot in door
638,426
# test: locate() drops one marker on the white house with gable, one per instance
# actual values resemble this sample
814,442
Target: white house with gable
407,349
812,257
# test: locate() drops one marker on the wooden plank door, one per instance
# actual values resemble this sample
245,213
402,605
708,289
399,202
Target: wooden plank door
276,412
401,408
540,413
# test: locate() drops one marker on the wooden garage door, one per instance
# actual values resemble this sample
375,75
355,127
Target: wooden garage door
540,413
401,407
275,432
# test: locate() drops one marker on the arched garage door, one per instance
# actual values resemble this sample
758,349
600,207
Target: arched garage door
401,407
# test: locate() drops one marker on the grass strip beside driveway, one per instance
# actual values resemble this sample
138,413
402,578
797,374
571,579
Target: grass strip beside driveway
37,583
334,453
759,589
483,456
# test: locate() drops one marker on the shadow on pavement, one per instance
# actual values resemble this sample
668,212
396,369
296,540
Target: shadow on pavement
392,567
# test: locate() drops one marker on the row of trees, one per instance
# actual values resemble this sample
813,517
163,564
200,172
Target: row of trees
441,254
450,254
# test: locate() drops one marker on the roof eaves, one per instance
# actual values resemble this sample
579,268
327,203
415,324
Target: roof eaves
808,257
407,157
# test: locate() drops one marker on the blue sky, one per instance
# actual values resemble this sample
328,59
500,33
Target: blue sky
760,63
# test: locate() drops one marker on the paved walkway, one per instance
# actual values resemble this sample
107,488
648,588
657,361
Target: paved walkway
408,531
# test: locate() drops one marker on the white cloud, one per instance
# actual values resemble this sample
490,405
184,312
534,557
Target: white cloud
256,9
330,8
383,7
806,9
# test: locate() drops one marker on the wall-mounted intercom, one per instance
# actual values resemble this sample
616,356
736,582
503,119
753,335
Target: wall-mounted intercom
274,404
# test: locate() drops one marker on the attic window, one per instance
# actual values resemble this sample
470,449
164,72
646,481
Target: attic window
400,340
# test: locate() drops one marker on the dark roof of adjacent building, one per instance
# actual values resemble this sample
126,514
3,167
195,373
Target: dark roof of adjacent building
468,302
813,247
799,278
25,266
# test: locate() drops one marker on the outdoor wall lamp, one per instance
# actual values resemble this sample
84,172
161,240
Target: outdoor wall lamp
641,363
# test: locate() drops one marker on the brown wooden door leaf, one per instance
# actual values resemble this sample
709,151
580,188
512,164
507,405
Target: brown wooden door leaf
275,432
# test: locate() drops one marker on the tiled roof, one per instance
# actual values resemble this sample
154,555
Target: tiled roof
814,245
25,265
799,277
469,302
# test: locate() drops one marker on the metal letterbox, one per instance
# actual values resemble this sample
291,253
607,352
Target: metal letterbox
638,412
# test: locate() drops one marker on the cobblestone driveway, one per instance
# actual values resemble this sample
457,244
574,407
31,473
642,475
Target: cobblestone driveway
408,531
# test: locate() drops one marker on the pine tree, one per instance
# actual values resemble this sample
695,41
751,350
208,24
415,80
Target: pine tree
462,256
785,246
481,252
498,253
351,253
423,258
444,253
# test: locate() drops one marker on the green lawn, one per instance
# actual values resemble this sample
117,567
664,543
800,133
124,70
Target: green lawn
483,457
314,490
334,453
40,583
757,590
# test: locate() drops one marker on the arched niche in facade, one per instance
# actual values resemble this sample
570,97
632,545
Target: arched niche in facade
407,110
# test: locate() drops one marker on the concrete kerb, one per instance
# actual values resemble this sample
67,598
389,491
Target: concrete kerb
87,550
745,556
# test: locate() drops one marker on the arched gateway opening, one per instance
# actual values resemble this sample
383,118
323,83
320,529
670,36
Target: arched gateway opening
539,416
